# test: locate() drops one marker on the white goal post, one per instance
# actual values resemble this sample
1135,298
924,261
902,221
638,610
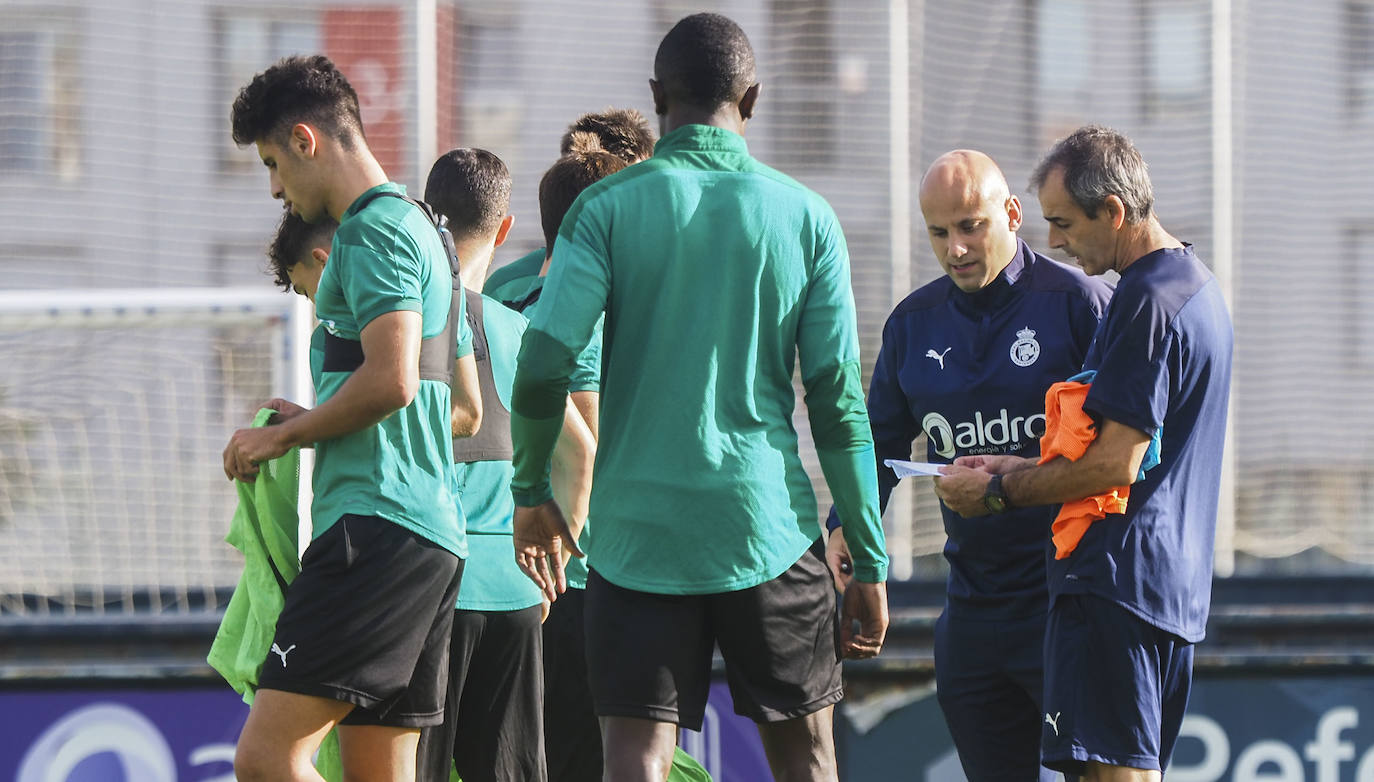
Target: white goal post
115,405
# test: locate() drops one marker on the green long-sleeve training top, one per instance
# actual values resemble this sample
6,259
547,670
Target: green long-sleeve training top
715,273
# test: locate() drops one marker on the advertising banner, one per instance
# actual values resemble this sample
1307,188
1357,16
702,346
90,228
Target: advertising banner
1245,729
189,735
182,735
1242,729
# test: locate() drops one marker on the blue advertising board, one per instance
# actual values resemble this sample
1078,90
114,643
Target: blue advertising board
1278,730
182,735
1251,728
1243,729
189,735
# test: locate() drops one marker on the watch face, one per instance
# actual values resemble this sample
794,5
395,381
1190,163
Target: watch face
993,499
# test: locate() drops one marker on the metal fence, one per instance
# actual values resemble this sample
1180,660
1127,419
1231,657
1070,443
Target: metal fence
117,172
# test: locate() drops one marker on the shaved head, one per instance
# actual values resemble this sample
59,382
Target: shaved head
964,173
971,217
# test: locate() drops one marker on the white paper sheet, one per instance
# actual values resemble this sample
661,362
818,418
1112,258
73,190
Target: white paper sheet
908,469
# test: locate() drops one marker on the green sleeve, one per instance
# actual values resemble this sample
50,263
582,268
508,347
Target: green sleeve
828,349
536,417
586,375
573,302
844,443
375,284
828,333
570,307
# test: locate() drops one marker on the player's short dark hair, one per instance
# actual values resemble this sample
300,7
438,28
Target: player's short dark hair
705,61
585,163
471,187
298,89
624,133
294,240
1098,162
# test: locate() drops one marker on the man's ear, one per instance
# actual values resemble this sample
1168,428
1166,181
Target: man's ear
1014,214
303,140
320,255
660,97
504,230
1116,211
747,101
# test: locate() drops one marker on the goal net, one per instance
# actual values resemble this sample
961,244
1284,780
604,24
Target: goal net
114,408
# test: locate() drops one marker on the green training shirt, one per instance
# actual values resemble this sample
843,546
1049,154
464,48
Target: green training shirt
387,258
491,579
515,283
713,272
513,280
518,288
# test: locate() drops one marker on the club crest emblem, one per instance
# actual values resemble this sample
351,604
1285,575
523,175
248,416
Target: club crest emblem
1025,350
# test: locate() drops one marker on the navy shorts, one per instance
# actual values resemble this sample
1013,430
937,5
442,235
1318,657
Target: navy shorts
989,680
1116,687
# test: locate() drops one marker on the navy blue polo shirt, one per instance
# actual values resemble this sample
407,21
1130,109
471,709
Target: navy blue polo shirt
971,371
1163,360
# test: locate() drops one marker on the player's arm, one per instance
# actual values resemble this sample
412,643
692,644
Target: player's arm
893,425
1113,459
285,410
467,394
587,404
538,410
385,382
467,398
585,386
894,428
844,444
573,299
538,406
573,459
828,348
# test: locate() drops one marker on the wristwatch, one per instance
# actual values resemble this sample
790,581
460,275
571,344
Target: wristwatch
994,499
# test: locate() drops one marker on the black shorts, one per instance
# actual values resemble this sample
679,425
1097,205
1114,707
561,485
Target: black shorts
493,728
367,622
572,734
649,655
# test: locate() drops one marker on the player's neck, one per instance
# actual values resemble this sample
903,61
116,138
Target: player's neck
1139,241
474,258
726,116
352,175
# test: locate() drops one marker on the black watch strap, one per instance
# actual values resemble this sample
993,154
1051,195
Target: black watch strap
994,499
